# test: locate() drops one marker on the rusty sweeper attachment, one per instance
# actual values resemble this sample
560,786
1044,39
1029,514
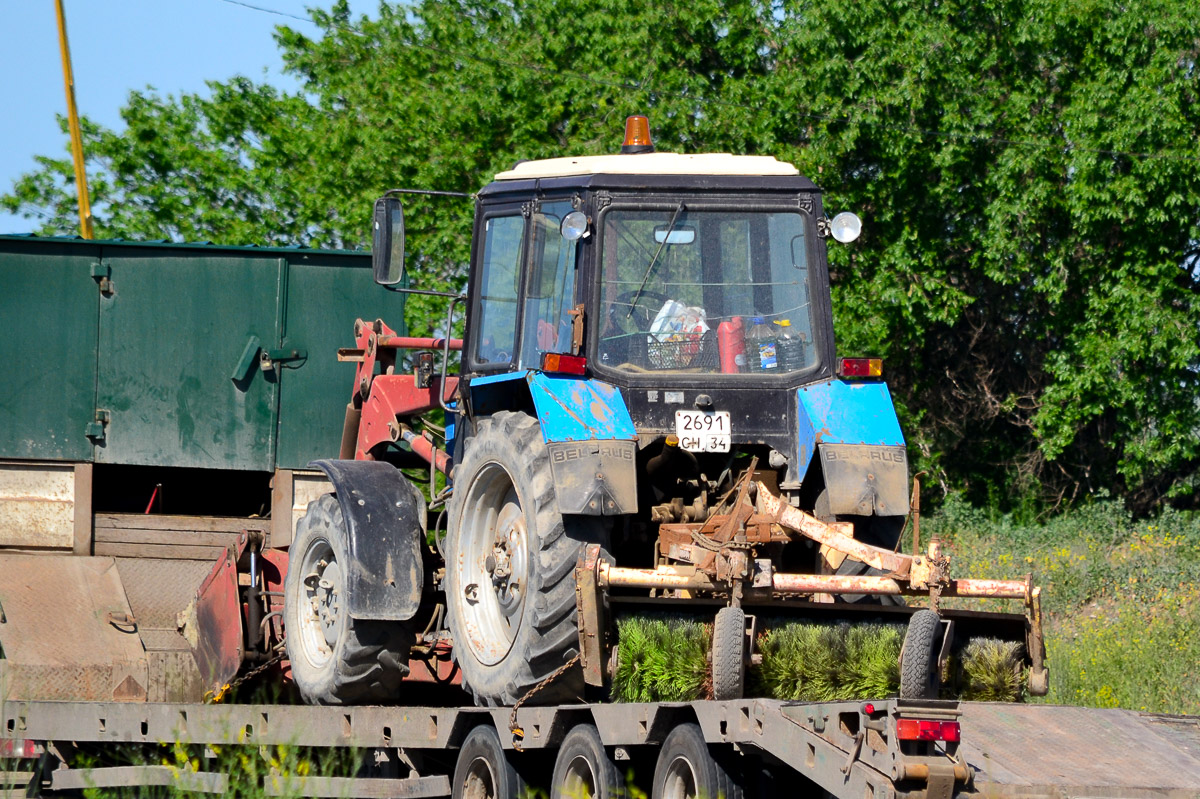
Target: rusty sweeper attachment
724,558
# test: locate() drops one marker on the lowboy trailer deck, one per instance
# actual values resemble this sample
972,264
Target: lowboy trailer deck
875,750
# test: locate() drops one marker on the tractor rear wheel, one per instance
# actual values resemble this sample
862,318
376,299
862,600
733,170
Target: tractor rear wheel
510,566
336,659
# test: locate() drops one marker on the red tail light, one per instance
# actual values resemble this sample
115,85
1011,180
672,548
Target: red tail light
860,367
17,749
558,363
920,730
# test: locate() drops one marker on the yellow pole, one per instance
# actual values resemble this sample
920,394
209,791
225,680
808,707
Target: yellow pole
81,189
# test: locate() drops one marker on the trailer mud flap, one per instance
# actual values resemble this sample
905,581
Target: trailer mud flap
385,523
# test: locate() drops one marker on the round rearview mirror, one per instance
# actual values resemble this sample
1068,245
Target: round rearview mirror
845,227
574,226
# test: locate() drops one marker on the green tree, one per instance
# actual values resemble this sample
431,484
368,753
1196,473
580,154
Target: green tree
1028,172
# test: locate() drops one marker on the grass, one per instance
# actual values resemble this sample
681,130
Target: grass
1121,597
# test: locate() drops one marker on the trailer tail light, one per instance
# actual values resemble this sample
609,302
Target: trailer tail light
17,749
920,730
558,363
860,367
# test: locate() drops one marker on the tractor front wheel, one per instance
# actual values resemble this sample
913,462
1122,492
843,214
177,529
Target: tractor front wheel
336,659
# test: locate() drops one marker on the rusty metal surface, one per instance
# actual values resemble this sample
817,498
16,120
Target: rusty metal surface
838,535
589,606
37,505
213,624
58,640
1081,751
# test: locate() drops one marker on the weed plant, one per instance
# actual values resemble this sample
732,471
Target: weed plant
1121,596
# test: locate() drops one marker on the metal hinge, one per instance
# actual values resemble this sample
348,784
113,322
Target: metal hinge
95,429
102,274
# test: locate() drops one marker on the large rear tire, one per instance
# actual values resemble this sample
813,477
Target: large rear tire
336,660
510,560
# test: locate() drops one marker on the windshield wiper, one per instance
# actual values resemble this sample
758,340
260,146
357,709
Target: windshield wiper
654,260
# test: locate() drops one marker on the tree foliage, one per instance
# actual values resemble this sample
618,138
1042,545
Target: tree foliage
1028,171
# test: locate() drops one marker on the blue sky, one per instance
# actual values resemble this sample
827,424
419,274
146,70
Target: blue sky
121,45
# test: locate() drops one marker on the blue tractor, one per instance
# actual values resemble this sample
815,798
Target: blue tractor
648,412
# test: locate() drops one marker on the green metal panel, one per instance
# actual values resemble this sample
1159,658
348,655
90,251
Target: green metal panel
172,332
325,294
48,313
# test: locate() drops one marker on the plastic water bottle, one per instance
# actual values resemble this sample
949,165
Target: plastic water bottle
761,346
789,346
731,344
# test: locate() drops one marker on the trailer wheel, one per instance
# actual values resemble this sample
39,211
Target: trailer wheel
879,531
686,769
483,770
510,566
584,769
729,654
336,660
919,678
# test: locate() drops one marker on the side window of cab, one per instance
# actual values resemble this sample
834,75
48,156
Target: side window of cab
499,284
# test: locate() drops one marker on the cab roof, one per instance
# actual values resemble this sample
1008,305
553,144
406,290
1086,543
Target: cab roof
651,164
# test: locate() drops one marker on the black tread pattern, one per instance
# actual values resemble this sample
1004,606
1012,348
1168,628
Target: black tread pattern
483,743
728,660
584,740
548,635
879,531
917,665
714,778
371,658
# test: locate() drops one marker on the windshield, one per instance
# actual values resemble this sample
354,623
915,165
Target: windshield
705,291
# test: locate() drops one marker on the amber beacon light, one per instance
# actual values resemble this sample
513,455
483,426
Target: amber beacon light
637,136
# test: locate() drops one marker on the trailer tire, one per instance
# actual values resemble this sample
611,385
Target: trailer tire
336,659
919,678
583,768
510,566
483,771
729,654
879,531
687,769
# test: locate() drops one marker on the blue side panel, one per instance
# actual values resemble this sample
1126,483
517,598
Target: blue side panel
506,377
574,409
839,412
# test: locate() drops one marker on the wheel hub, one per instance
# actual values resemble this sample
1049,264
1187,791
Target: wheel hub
321,617
492,564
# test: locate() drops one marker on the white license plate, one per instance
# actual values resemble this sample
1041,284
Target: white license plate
703,431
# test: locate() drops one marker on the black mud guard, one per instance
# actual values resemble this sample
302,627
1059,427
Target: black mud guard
865,479
385,523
